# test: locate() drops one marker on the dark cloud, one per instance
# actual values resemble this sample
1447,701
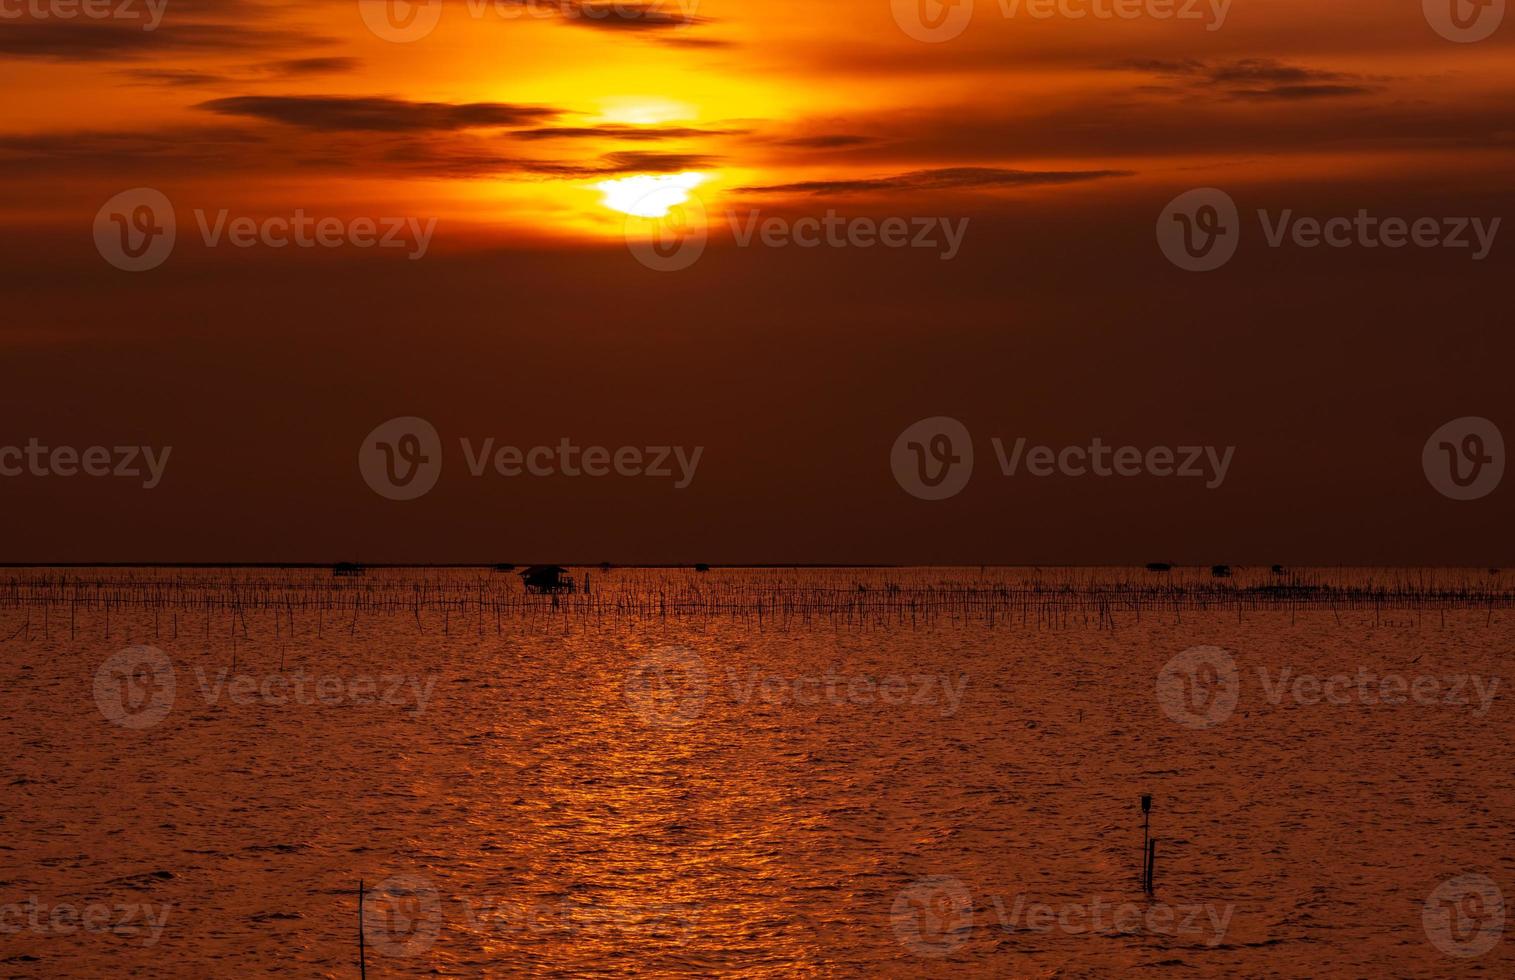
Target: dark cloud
125,40
1250,78
946,178
826,141
451,159
172,77
688,41
376,114
187,78
633,133
181,151
1304,91
632,161
153,153
631,16
310,66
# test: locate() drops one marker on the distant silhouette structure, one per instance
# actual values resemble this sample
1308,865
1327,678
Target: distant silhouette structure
546,579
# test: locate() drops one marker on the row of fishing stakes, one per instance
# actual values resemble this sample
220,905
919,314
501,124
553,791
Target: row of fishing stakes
1149,846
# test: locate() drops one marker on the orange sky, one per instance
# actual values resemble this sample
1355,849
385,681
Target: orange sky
249,105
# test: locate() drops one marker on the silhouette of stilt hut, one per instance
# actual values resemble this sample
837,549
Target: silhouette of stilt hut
347,568
546,579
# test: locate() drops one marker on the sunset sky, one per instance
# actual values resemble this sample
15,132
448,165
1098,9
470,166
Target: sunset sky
513,126
504,117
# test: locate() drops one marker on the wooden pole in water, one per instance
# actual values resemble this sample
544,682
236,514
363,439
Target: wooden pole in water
362,950
1146,825
1151,863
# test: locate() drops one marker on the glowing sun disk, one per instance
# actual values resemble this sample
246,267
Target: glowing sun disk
648,195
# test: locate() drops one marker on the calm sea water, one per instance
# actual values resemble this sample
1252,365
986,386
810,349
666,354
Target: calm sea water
604,795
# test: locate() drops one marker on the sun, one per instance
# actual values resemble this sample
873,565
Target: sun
649,195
